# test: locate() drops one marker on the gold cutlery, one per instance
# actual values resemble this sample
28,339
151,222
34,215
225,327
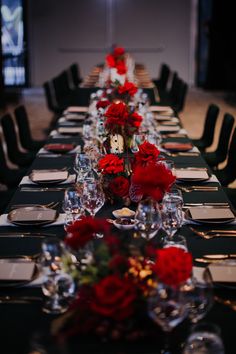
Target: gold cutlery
214,233
198,188
44,189
226,205
25,234
226,302
176,154
49,205
19,299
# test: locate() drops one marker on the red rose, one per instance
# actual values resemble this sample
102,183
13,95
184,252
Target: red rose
147,153
154,179
110,60
82,231
102,104
173,265
128,88
119,51
114,298
121,67
119,186
111,164
116,115
134,120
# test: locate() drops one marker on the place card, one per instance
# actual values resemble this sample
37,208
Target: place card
47,175
191,174
70,130
13,271
206,213
223,272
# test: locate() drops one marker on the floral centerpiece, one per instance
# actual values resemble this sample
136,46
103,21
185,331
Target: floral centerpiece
116,59
115,284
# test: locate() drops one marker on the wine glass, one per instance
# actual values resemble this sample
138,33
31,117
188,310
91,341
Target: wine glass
58,286
167,308
148,218
172,216
176,241
92,197
82,166
72,206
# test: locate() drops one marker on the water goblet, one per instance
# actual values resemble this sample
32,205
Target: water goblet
148,218
92,197
176,241
171,220
82,165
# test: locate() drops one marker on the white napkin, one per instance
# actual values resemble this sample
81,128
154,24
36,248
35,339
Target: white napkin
191,174
75,109
26,180
74,151
166,109
168,128
60,221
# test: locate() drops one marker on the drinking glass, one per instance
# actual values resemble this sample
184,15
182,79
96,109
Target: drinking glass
148,218
82,166
92,197
171,219
176,241
204,338
167,308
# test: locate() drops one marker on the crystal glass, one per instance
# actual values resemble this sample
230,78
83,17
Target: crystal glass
167,308
176,241
148,218
204,338
172,216
82,166
92,197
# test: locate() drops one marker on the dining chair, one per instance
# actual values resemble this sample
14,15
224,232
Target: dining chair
5,197
50,97
162,81
10,177
209,128
62,90
74,75
19,158
214,158
227,175
26,140
177,102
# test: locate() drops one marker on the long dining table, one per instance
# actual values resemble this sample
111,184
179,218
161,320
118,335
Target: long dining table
24,328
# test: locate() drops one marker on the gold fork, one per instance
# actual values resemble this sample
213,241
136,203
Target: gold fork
198,188
214,233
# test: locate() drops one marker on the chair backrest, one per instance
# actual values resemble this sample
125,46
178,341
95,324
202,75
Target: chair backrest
181,89
74,75
164,76
230,168
50,96
224,137
61,87
10,136
209,125
23,127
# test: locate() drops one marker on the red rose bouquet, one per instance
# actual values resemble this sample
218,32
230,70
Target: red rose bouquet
116,282
116,59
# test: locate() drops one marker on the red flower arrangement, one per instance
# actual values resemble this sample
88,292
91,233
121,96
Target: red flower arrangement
103,104
117,60
111,164
119,186
147,153
127,89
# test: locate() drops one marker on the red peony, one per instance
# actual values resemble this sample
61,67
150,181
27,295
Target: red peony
111,164
173,265
147,153
114,297
110,60
135,120
119,186
128,88
153,179
82,231
116,115
102,104
121,67
119,51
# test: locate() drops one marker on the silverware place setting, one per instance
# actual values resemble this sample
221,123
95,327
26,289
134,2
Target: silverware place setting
188,189
209,234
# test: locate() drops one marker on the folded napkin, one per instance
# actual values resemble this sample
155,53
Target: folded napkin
206,213
27,180
224,271
75,109
161,118
189,175
16,271
163,109
70,130
168,128
177,146
59,221
73,117
60,148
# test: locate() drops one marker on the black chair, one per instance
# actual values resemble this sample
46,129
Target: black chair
50,98
62,90
15,155
209,128
24,131
227,175
5,197
178,96
161,82
11,178
168,96
219,155
74,76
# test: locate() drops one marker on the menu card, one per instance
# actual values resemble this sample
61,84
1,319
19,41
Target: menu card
13,271
29,214
223,272
70,130
206,213
191,174
47,175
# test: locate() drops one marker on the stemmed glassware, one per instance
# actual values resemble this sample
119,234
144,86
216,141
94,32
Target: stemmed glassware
92,197
82,166
72,206
58,286
148,218
172,216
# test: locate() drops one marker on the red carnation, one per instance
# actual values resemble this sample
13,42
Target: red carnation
116,115
147,153
128,88
102,104
82,231
111,164
119,186
173,265
153,179
114,297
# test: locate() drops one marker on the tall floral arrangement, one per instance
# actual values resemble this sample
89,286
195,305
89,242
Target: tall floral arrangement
116,59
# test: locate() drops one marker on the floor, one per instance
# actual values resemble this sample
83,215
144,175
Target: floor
192,117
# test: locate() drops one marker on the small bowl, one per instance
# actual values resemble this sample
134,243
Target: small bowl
123,213
119,225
